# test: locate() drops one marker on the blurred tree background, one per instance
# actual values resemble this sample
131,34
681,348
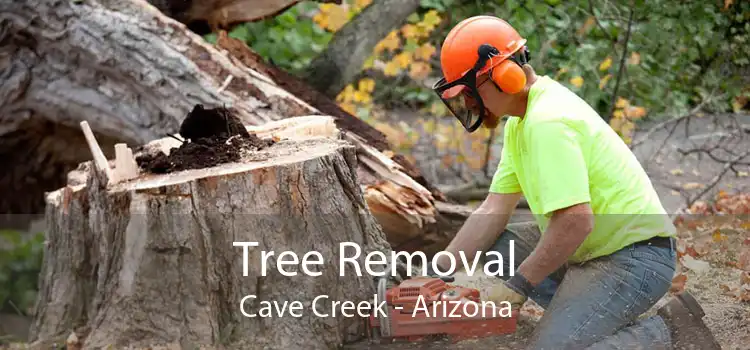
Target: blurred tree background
632,60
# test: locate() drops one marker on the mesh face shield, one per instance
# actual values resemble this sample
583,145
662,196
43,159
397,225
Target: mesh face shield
462,96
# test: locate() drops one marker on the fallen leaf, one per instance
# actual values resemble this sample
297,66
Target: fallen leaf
729,291
742,174
702,247
745,277
676,172
692,186
699,266
72,342
744,294
717,236
678,284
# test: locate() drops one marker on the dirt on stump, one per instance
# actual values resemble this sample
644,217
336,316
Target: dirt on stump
212,137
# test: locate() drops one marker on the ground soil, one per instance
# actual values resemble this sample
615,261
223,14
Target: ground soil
212,137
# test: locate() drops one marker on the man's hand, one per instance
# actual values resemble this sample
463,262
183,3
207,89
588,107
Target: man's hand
500,292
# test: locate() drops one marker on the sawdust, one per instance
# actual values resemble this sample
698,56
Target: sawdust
212,137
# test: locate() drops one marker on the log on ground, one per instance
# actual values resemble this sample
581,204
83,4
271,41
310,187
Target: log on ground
150,260
136,74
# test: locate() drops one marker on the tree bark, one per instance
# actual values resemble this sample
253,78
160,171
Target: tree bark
151,260
133,74
347,51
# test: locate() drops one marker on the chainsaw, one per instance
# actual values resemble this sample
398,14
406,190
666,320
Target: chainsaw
425,307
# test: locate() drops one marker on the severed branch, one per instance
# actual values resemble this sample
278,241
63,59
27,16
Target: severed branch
622,59
727,166
665,123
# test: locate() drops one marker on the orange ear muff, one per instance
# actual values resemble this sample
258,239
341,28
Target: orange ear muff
509,77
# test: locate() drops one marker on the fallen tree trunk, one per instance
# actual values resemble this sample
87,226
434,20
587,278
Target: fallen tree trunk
205,16
150,260
133,74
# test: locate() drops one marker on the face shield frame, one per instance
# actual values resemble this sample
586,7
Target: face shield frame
453,94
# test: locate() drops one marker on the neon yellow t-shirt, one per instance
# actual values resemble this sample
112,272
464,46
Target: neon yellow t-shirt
562,153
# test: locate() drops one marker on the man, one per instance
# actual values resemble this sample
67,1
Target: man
602,252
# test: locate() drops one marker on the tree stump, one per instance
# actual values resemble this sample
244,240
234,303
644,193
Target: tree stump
151,260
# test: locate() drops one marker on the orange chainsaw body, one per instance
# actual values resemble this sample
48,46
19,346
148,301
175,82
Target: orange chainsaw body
426,306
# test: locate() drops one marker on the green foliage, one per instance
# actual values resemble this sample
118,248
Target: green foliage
290,40
20,264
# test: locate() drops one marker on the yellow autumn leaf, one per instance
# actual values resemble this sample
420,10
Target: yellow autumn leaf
616,123
337,18
627,127
742,174
431,18
403,59
349,107
635,58
635,112
621,102
577,81
603,81
361,96
391,42
419,70
321,19
618,114
425,51
692,186
367,84
606,64
369,63
409,31
391,69
346,94
360,4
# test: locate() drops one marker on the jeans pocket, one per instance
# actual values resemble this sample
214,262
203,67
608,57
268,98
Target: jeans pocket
648,254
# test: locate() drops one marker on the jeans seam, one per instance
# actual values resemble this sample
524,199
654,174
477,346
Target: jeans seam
600,306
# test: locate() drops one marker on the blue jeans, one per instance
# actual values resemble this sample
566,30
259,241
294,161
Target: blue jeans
597,304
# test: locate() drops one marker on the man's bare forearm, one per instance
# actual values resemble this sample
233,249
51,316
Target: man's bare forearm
480,230
562,238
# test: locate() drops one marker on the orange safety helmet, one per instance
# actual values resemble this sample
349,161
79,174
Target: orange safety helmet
475,46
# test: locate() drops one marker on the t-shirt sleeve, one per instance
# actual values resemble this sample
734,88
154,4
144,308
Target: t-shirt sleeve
505,181
558,166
